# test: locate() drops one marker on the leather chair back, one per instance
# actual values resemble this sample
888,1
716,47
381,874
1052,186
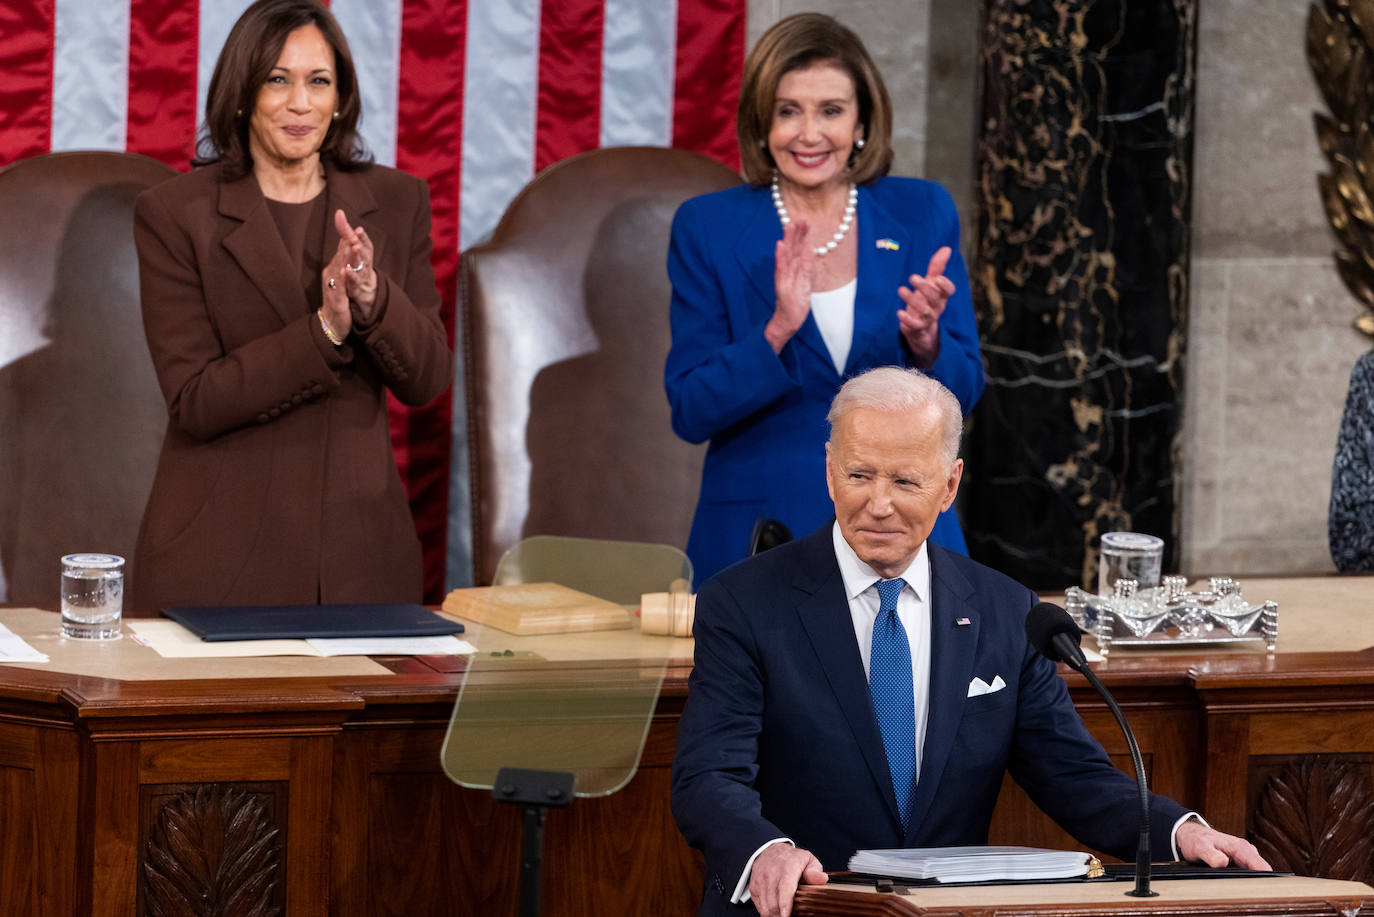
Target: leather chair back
81,414
566,333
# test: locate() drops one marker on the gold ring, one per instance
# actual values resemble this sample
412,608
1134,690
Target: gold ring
332,284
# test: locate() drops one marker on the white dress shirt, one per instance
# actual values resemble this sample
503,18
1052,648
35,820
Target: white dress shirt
913,610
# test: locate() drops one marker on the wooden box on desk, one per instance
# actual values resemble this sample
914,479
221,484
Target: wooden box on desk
536,608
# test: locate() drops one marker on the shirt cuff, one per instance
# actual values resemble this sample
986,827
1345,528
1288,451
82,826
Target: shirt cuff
1173,835
741,894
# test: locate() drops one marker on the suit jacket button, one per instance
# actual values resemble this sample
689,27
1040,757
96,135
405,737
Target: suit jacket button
296,398
317,389
263,418
275,412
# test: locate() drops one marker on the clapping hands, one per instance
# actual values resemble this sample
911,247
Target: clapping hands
349,275
925,303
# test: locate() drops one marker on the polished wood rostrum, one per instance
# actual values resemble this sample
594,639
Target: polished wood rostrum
131,785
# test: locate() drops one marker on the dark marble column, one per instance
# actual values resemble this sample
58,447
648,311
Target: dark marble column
1081,277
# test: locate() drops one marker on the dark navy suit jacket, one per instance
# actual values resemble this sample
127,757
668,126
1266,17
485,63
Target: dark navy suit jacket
764,413
779,738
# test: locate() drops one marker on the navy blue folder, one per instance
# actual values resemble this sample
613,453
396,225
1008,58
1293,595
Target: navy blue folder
280,622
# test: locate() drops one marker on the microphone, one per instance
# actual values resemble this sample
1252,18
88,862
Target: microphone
1052,632
1054,635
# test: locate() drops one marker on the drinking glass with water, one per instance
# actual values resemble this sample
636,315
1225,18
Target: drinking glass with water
92,596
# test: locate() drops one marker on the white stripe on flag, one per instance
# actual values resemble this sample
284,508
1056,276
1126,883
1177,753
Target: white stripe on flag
217,17
373,30
501,79
639,58
90,98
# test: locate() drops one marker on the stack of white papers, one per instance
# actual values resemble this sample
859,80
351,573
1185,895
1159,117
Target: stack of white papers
972,864
172,641
13,648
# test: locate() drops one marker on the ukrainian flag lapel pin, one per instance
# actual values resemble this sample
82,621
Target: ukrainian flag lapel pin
888,245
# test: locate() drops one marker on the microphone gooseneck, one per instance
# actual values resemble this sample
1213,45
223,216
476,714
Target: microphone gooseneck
1052,632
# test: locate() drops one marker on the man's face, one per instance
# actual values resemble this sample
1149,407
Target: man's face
889,482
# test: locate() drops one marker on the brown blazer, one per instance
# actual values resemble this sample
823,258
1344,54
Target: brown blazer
276,482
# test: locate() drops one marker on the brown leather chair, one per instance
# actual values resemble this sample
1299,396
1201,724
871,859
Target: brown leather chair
81,414
566,333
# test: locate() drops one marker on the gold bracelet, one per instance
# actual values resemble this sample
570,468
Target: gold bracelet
328,332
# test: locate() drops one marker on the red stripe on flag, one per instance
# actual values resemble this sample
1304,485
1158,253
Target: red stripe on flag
429,144
710,58
26,54
569,95
162,80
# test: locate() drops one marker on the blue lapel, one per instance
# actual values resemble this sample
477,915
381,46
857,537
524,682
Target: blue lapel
881,272
823,609
952,648
756,251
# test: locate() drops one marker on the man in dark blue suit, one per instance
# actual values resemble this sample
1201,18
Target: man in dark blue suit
862,688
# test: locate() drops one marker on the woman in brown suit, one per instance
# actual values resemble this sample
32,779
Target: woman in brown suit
286,288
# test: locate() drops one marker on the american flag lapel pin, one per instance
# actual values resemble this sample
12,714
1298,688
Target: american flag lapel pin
888,245
962,622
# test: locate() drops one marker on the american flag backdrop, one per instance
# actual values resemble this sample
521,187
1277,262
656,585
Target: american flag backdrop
474,96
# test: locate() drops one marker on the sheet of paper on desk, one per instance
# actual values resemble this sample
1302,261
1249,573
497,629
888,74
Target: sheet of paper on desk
446,645
14,649
172,641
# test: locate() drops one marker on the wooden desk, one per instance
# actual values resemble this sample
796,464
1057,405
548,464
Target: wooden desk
1266,897
107,784
1279,748
105,780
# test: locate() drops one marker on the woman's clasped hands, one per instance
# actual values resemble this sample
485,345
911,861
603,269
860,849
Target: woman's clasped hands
349,276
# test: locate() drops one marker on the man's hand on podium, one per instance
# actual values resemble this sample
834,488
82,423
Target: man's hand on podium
1200,843
777,872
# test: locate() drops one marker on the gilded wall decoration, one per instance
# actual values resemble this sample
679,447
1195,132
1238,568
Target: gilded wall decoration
1340,50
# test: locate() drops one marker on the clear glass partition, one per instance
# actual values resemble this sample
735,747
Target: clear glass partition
587,717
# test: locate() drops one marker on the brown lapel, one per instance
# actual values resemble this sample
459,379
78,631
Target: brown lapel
257,247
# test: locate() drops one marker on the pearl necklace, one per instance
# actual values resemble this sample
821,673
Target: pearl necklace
845,222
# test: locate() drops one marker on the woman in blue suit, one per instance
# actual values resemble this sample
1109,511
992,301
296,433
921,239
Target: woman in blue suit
819,268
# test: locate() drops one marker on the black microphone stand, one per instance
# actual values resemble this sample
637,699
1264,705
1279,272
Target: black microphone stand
1068,650
1142,847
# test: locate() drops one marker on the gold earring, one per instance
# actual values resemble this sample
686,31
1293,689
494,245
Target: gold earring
336,116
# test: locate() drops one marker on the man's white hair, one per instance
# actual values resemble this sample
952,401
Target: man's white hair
893,389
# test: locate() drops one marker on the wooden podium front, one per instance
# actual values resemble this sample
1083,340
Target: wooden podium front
128,781
1259,897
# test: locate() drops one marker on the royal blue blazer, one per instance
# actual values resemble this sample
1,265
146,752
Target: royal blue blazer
778,737
764,413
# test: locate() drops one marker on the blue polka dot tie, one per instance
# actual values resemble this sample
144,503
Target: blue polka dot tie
889,683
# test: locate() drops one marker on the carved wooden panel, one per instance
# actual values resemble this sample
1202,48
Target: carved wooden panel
1314,814
212,850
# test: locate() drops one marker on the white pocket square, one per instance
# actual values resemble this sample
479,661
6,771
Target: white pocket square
978,687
